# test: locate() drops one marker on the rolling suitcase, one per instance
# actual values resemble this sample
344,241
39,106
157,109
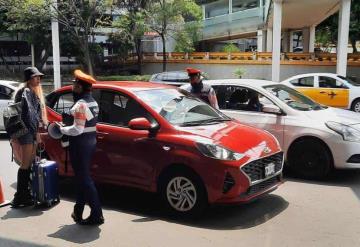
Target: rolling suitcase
44,182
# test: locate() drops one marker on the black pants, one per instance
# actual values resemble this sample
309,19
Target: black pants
81,150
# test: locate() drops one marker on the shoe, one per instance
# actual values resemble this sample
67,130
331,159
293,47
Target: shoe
76,217
92,221
21,201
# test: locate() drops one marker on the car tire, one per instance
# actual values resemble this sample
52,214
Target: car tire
310,158
355,106
183,193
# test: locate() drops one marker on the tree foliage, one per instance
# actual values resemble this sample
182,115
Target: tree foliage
31,18
327,31
167,17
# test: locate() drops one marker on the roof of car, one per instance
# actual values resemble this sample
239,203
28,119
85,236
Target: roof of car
311,74
133,85
247,82
10,83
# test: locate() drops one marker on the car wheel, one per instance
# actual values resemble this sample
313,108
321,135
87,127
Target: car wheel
310,159
355,106
183,193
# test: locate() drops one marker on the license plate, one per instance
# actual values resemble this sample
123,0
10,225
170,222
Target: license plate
269,169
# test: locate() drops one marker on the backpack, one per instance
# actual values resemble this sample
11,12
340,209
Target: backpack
14,125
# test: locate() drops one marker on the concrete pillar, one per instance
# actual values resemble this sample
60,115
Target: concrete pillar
306,39
230,6
277,18
291,41
286,42
203,12
261,40
33,55
56,46
343,37
269,39
312,38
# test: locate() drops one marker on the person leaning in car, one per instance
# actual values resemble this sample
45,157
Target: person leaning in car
82,145
200,89
33,114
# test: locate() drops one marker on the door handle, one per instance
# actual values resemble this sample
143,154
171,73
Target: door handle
322,92
101,135
332,94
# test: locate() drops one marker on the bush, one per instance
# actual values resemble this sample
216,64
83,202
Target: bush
230,48
239,72
124,78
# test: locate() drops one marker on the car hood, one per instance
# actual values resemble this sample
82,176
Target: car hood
336,115
236,137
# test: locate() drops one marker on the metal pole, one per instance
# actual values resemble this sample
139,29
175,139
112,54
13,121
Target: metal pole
55,45
277,18
33,56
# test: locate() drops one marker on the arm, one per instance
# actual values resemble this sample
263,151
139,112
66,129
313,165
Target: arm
213,99
79,121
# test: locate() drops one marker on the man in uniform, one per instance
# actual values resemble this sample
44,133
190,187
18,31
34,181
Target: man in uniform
199,88
82,145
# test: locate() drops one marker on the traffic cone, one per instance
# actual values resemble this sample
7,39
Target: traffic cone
3,202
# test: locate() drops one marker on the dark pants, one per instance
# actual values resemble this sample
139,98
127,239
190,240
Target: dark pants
81,150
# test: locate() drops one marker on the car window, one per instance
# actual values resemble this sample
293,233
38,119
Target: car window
63,103
118,109
303,82
5,92
181,108
240,98
328,82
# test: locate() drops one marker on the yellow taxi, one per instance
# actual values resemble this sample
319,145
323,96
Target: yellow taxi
328,89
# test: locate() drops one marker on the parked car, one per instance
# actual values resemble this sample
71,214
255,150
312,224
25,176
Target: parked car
315,138
162,139
328,89
7,89
175,78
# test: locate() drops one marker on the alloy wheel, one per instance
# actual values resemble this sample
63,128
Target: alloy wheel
181,194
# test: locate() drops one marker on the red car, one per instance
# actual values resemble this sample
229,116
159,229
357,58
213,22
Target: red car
162,139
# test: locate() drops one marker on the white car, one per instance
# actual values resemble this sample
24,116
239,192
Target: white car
315,138
7,89
328,89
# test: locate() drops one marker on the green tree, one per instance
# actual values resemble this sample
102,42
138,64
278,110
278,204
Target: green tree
131,27
188,37
31,18
327,31
80,18
166,17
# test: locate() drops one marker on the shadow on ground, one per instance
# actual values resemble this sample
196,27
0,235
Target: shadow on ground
77,234
148,207
344,178
11,243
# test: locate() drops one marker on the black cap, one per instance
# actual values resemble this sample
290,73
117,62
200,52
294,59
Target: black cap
30,72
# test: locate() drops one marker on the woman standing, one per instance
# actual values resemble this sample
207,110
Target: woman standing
33,113
82,145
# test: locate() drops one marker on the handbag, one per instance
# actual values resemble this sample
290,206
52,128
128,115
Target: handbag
14,125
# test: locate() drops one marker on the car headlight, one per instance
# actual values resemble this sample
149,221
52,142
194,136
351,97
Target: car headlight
347,132
218,152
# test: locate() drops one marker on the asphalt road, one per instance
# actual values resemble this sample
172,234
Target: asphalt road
299,213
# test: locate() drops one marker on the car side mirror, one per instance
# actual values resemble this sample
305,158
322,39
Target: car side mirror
140,124
272,109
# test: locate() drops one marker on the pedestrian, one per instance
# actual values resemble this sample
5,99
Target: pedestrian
199,88
82,145
33,114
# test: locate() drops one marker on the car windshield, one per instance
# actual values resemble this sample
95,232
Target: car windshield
349,80
180,107
293,98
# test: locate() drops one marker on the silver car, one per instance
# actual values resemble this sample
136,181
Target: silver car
314,138
175,78
7,89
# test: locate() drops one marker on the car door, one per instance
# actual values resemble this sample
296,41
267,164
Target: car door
306,86
5,98
332,92
123,153
233,102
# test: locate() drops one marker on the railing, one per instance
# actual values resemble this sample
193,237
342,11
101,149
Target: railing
247,57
